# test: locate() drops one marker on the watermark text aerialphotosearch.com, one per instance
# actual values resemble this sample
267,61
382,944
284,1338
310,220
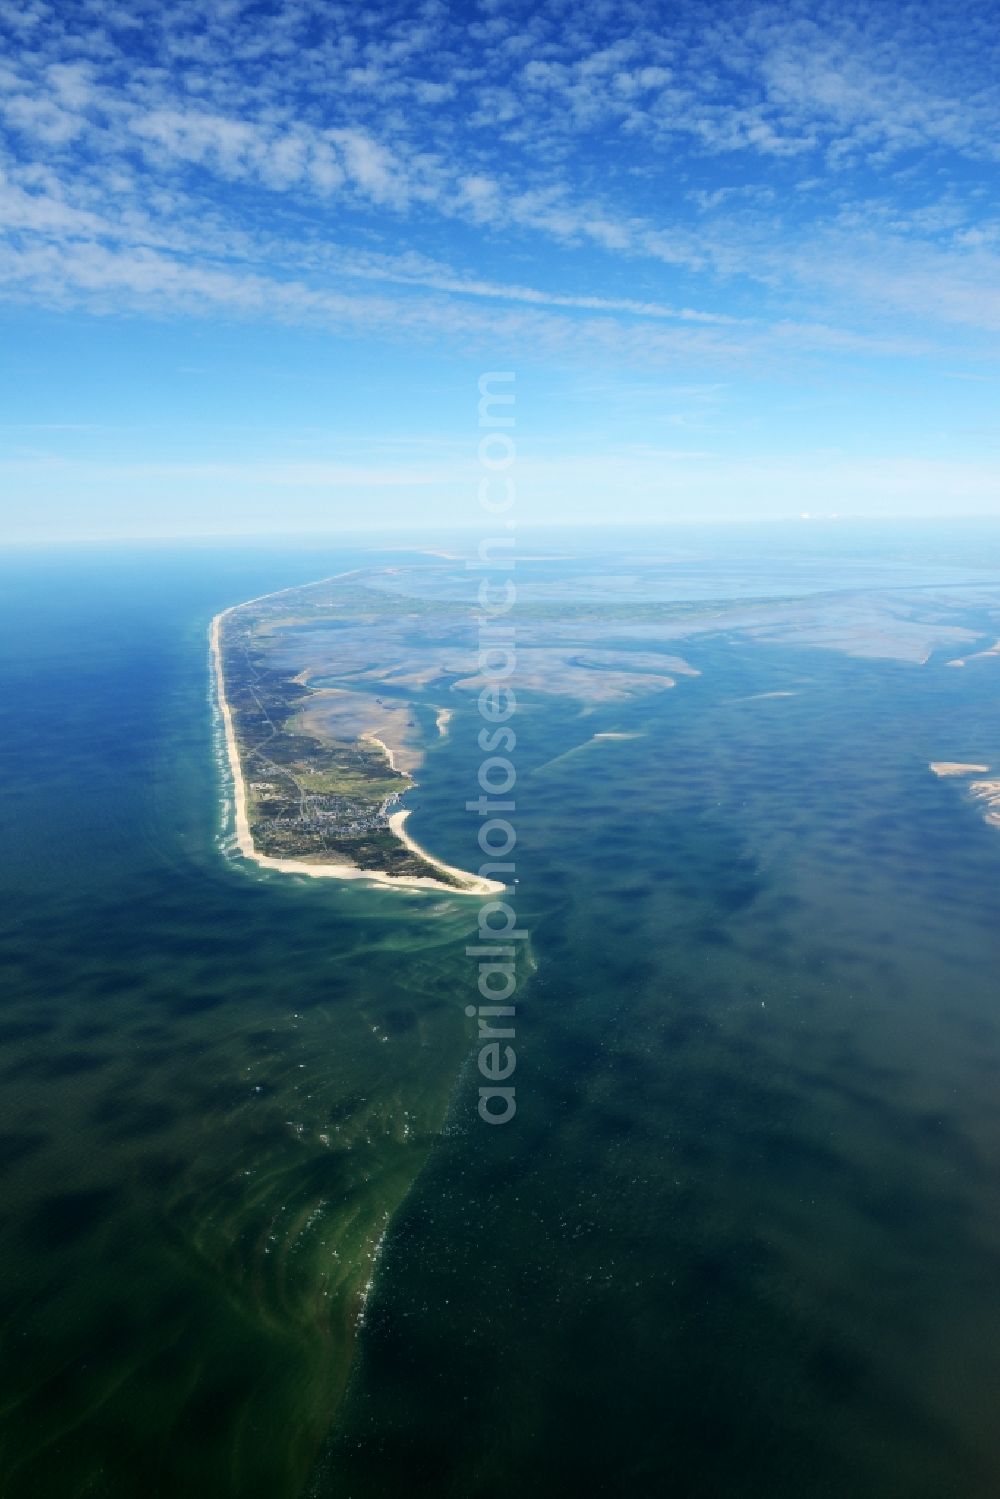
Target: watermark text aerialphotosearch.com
499,935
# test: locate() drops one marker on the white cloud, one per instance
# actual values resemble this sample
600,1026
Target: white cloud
371,167
571,139
42,119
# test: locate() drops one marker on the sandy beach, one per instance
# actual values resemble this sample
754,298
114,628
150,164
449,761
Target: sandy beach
387,752
471,884
474,884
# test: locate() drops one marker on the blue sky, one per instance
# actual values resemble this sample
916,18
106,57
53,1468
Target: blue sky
744,259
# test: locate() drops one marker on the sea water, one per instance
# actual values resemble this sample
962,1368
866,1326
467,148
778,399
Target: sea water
743,1236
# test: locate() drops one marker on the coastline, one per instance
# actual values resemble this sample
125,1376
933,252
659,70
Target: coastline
473,884
397,824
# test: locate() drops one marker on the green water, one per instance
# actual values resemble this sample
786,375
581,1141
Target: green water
743,1237
216,1087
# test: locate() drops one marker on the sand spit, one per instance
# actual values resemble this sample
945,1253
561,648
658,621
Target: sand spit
473,884
470,884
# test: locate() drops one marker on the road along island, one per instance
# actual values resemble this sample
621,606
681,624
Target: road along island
315,793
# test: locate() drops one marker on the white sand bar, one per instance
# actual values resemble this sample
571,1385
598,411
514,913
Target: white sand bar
957,768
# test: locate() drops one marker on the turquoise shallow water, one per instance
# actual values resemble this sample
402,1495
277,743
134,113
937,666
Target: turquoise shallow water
744,1235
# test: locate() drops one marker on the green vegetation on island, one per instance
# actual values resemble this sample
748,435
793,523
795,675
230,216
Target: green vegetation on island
309,798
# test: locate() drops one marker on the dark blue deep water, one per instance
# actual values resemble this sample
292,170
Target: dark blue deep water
743,1237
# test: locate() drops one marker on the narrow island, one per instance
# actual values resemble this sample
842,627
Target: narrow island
314,794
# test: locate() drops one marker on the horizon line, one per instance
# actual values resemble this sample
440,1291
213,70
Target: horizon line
799,522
